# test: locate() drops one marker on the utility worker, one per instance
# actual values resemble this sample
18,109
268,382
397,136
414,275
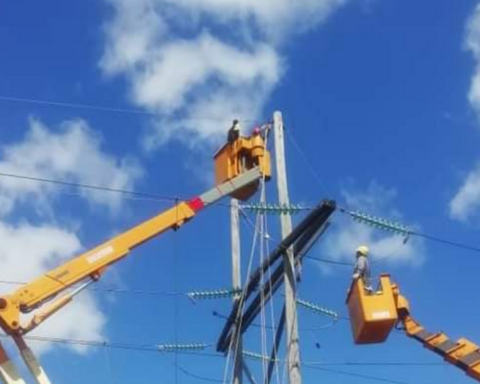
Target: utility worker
362,268
234,131
256,131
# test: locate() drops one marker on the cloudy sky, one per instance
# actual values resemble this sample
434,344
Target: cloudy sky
381,100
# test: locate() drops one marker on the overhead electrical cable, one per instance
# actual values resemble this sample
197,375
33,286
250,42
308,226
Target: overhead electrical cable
100,108
158,348
164,198
321,183
196,351
198,377
330,261
357,375
63,104
134,195
314,173
192,295
257,325
150,196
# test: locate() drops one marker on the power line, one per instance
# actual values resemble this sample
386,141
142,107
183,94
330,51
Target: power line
116,345
314,173
153,348
307,365
256,325
157,348
198,377
104,108
347,264
447,242
374,363
416,233
400,229
144,196
356,375
163,198
193,295
150,196
330,261
113,290
63,104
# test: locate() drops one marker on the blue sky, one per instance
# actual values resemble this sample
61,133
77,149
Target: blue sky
380,98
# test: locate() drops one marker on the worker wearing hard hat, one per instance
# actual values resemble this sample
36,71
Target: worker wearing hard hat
362,267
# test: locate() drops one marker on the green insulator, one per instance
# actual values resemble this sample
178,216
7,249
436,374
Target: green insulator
317,309
254,355
380,223
215,294
181,347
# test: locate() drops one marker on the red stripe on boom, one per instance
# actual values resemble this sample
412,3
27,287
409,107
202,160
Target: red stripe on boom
196,204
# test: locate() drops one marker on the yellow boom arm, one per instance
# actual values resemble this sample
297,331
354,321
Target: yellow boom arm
462,353
373,315
89,266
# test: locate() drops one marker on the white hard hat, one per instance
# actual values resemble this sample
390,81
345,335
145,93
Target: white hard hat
362,250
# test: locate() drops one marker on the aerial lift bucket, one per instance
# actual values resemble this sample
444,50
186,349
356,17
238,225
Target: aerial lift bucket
238,157
373,314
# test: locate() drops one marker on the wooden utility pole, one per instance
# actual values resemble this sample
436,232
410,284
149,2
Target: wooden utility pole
291,323
236,284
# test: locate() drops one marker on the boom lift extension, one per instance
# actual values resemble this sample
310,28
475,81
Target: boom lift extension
240,166
374,315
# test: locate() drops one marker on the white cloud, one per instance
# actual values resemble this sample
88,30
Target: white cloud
71,152
74,154
273,19
472,43
65,325
194,60
134,33
216,107
466,202
346,235
184,65
27,252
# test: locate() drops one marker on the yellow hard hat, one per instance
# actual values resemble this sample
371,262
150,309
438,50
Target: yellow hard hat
362,250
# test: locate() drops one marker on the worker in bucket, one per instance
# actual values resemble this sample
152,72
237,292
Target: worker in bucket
362,267
234,131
